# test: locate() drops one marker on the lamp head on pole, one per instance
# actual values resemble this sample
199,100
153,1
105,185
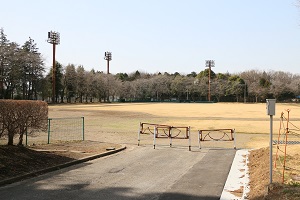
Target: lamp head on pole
107,56
210,63
53,37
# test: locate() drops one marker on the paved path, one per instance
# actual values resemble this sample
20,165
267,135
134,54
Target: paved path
138,173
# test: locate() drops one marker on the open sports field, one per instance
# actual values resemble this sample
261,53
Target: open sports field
119,123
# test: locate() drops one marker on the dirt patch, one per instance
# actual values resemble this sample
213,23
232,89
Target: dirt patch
17,161
76,150
260,179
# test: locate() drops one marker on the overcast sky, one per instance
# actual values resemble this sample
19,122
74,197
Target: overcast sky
161,35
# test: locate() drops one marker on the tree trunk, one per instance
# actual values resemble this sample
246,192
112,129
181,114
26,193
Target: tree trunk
10,139
20,143
61,99
24,96
35,95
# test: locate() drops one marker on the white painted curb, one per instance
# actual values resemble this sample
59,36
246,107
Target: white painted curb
238,177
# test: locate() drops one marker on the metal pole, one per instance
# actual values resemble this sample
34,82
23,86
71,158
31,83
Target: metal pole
170,135
154,135
54,39
234,139
83,128
286,140
189,134
53,75
107,66
49,130
139,137
209,64
199,132
271,148
209,67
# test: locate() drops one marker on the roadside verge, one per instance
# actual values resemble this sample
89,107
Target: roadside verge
57,167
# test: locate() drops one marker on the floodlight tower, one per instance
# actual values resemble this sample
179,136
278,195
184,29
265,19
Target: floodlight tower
209,64
107,56
54,39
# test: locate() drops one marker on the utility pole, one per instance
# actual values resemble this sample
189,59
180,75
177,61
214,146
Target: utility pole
54,39
107,56
209,64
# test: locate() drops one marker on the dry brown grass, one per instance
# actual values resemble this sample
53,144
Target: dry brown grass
119,122
246,118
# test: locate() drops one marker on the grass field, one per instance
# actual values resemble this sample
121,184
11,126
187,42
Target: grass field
120,122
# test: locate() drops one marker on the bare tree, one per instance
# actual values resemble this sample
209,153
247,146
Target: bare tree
126,91
160,87
219,88
114,85
178,86
20,116
258,83
295,85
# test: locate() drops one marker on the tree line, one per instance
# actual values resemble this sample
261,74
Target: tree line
23,76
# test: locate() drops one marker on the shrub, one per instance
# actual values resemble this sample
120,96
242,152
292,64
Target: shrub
19,116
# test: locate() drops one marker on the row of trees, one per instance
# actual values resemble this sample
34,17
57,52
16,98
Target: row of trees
77,84
22,69
250,85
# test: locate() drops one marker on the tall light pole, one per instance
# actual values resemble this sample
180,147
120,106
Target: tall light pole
107,56
54,39
209,64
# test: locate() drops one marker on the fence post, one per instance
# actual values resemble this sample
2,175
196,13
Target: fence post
189,134
139,137
49,119
234,139
170,135
199,132
154,137
83,128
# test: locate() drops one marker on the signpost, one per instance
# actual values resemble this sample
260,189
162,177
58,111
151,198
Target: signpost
271,111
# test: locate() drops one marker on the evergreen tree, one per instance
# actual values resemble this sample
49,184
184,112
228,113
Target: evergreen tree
4,45
32,68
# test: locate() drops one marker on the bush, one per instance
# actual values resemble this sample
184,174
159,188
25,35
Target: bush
19,116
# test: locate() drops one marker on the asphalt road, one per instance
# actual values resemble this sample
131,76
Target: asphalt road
136,173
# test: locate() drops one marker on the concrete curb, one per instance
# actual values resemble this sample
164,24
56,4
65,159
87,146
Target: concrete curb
57,167
238,178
